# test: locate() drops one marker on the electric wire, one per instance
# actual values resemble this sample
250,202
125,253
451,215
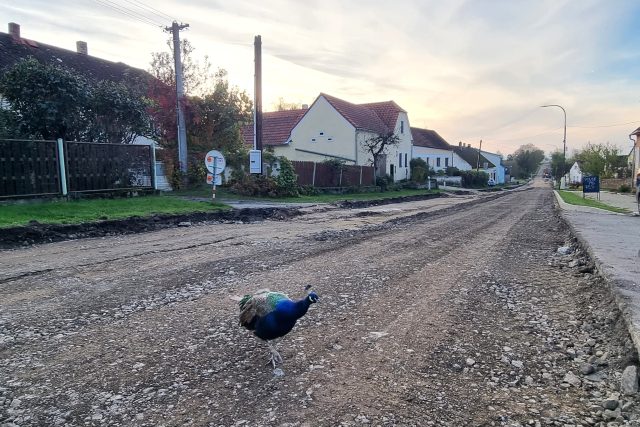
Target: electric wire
151,9
129,12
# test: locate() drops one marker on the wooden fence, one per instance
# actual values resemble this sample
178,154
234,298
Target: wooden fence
325,175
34,168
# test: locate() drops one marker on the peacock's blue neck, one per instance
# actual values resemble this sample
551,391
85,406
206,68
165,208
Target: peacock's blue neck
293,310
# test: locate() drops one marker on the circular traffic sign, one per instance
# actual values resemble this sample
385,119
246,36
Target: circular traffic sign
214,157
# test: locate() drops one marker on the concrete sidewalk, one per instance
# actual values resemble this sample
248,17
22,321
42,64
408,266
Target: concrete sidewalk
619,200
613,241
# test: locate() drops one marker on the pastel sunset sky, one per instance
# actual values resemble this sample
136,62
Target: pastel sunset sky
470,70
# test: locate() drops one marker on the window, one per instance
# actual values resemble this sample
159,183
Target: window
400,160
313,140
405,160
321,133
401,127
446,162
438,161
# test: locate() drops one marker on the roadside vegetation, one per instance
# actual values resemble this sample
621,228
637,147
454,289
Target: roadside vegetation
575,198
79,211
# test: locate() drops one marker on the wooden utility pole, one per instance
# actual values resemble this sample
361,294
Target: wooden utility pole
174,29
478,164
257,102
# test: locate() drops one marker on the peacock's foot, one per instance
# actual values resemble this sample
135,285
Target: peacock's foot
275,358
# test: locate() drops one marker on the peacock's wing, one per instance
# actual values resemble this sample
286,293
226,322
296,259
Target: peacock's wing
258,305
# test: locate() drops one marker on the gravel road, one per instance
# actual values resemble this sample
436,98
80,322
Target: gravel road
451,312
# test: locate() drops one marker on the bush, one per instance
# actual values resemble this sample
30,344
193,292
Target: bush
384,182
196,174
286,181
624,188
255,185
474,179
419,170
452,171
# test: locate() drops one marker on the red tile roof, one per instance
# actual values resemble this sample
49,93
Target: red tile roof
429,138
388,112
379,117
276,127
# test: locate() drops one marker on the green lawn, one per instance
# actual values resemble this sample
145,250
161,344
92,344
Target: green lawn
77,211
320,198
575,198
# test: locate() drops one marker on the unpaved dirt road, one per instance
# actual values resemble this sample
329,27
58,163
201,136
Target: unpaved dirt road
454,311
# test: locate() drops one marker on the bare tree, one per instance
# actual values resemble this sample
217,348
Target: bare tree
283,105
378,146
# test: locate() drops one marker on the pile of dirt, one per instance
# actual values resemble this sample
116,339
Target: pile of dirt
357,204
36,232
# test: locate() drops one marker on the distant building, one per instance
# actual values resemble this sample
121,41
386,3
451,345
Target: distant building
575,174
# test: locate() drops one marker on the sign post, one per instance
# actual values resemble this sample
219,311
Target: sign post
591,184
215,164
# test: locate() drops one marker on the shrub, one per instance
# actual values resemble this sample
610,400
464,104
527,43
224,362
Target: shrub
452,171
255,185
474,179
286,181
624,188
419,170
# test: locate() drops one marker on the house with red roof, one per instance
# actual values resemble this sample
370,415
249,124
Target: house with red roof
332,128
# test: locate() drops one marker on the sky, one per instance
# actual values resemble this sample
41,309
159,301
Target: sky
470,69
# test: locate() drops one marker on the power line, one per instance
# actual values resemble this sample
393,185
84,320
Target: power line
129,12
605,126
151,9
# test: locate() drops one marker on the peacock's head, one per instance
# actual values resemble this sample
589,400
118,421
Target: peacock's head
313,297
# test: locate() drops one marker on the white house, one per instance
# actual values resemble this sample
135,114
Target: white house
435,151
498,171
575,174
332,128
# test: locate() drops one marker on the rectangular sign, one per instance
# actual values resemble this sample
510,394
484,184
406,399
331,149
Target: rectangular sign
591,184
255,161
211,179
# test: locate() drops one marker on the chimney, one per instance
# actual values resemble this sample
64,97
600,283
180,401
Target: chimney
14,30
81,47
305,106
460,144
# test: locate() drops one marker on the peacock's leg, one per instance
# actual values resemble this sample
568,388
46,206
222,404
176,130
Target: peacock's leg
275,356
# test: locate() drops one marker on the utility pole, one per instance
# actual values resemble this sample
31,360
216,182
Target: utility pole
174,29
257,102
564,140
478,164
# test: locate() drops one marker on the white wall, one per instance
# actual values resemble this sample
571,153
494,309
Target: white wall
321,131
447,158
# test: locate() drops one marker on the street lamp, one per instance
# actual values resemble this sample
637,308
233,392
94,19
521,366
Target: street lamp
564,140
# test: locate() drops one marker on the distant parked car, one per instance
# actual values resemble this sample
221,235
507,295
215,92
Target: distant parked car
491,182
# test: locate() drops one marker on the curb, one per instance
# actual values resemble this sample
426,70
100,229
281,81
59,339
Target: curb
620,289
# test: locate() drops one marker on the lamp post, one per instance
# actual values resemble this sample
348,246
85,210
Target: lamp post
564,140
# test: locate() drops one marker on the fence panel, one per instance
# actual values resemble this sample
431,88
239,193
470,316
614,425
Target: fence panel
304,170
28,168
328,176
100,167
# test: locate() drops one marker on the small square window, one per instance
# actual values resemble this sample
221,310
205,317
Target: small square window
321,133
313,140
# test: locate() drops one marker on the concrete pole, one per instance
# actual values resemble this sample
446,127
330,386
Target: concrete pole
182,130
61,165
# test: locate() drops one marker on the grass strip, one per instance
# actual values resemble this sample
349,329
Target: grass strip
574,198
79,211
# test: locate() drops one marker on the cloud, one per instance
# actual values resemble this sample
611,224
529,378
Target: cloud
469,69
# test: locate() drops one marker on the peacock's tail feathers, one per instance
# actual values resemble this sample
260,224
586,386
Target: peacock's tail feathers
258,305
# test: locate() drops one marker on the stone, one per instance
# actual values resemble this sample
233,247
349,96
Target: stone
517,364
610,404
587,369
611,415
565,250
184,224
629,380
470,362
572,379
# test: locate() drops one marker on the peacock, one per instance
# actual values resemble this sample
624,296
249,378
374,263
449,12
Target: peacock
272,315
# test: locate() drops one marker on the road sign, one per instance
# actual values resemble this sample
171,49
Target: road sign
214,179
591,184
215,162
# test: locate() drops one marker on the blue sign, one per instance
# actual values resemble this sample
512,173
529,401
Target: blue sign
591,184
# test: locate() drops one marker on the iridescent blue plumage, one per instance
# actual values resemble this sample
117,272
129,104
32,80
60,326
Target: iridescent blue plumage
272,315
